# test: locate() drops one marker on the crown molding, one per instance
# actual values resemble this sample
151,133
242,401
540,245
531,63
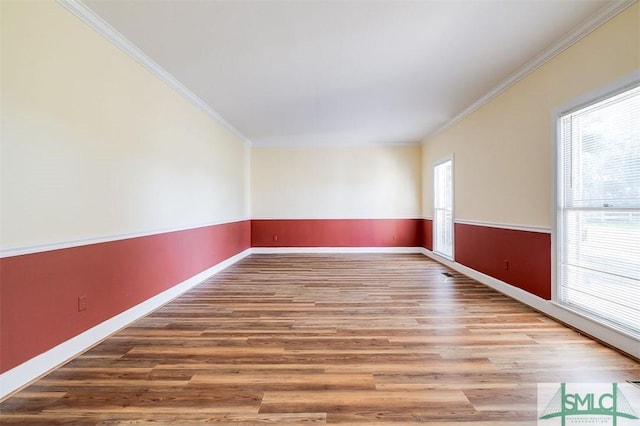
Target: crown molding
331,144
600,17
89,17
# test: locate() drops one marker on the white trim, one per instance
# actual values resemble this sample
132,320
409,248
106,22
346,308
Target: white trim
332,143
585,316
447,158
606,334
608,90
442,160
527,228
89,17
322,250
25,373
555,172
600,17
18,251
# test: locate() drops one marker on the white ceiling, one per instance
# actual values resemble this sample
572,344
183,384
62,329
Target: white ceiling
342,72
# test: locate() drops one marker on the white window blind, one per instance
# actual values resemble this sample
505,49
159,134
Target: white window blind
599,211
443,209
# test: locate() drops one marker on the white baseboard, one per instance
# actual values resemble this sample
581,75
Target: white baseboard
603,333
321,250
36,367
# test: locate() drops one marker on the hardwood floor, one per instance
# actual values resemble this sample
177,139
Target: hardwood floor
297,339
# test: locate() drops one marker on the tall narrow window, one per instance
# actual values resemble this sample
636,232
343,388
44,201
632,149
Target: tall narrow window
598,220
443,208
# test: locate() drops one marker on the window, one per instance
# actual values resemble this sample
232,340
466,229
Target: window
443,208
598,211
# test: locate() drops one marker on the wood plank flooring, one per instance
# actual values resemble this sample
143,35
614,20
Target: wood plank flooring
323,339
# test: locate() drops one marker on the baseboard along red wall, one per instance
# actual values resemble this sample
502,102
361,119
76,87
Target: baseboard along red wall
39,306
520,258
336,233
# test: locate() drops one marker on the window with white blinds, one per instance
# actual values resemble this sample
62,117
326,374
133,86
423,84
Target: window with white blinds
443,208
598,224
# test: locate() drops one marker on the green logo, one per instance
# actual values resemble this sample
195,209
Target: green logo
602,404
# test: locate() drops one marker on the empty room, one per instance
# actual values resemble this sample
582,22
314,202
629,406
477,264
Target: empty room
320,212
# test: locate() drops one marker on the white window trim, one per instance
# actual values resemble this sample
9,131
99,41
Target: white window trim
449,157
608,90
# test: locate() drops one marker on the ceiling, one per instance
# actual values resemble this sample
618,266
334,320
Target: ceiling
342,72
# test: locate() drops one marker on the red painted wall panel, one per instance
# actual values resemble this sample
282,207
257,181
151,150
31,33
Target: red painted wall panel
527,255
336,233
427,234
39,292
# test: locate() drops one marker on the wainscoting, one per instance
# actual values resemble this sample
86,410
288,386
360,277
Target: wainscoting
43,293
336,232
517,257
59,302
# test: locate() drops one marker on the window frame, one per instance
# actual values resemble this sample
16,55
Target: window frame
607,91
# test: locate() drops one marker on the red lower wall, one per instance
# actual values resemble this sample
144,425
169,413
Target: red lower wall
39,292
427,234
336,233
519,258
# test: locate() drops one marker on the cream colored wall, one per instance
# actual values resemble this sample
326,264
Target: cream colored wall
93,145
503,155
336,182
